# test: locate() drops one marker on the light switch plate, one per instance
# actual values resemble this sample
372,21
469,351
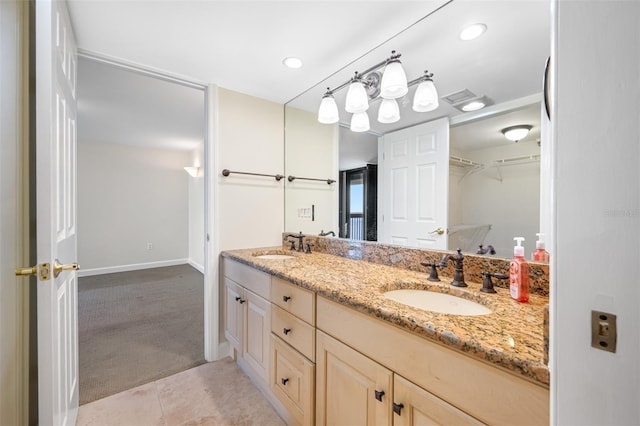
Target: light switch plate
604,331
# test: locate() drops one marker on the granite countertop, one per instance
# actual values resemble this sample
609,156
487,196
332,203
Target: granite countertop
511,337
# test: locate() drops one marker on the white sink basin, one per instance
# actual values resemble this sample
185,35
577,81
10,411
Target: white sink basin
275,256
437,302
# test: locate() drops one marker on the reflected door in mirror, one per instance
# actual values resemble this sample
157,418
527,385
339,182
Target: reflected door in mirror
359,203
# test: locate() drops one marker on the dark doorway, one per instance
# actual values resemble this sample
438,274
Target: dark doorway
359,203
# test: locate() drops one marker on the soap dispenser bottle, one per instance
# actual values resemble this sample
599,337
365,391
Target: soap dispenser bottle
519,273
540,254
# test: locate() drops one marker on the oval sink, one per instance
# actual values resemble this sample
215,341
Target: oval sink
437,302
275,256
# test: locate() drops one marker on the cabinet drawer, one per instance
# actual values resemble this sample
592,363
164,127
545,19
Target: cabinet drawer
292,381
294,331
248,277
296,300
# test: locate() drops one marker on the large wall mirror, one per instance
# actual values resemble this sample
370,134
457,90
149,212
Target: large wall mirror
485,188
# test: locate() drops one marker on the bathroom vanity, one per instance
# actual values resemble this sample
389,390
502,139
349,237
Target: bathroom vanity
318,335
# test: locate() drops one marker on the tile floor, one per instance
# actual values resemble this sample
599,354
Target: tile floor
217,393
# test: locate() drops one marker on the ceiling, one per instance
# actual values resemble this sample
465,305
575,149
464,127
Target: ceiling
239,45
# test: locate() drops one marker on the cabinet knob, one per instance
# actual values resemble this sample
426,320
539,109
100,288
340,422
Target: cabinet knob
237,298
379,395
286,298
397,408
286,331
284,381
241,301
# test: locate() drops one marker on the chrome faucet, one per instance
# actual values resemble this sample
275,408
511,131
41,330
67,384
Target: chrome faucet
458,275
299,237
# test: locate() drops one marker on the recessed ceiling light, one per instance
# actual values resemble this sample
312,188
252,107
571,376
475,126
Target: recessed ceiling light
473,106
292,62
473,31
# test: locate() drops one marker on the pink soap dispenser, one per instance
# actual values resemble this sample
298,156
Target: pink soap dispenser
519,273
540,254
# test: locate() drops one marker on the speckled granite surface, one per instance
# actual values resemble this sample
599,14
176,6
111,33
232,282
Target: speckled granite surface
511,337
410,258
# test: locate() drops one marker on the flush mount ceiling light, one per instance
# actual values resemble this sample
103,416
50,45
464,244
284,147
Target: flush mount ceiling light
292,62
386,79
516,133
472,32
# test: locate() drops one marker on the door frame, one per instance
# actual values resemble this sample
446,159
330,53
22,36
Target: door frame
15,243
213,349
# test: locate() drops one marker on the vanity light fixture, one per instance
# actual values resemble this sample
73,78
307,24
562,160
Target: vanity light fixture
516,133
193,171
472,32
426,96
292,62
389,85
360,122
328,113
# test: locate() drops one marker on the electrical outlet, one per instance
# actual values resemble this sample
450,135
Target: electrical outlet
149,246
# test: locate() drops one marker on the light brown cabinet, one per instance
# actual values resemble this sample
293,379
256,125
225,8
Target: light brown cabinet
414,406
247,317
351,389
293,341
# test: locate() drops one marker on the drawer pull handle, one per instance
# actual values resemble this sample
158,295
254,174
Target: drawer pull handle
379,395
397,408
241,301
286,298
286,331
284,381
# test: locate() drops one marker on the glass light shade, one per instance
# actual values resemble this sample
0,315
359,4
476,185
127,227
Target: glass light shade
516,133
328,112
426,97
360,122
394,81
389,111
357,99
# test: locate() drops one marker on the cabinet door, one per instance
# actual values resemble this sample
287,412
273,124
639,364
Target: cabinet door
233,315
413,406
258,327
351,389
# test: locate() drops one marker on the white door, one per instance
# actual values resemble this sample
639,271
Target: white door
56,214
415,186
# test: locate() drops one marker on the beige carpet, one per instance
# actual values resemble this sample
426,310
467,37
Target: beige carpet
137,327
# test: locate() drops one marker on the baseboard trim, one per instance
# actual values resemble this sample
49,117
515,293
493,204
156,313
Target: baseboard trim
197,266
131,267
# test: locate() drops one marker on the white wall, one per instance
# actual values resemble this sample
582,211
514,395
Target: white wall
312,152
597,199
196,210
128,197
356,149
511,206
250,138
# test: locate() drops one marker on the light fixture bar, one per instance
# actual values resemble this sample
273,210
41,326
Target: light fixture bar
367,71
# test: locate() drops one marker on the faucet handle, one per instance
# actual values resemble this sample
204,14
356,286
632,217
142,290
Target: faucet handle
307,247
293,245
487,284
433,274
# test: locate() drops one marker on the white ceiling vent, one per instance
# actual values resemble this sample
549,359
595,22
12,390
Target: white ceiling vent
459,96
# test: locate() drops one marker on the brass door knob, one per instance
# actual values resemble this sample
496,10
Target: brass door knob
57,267
438,231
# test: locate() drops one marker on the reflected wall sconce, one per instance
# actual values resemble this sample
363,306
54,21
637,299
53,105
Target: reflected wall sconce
516,133
193,171
387,80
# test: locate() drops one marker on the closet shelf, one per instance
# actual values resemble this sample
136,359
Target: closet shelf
463,162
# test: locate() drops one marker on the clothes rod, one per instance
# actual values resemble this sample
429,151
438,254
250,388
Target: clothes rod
329,181
227,172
